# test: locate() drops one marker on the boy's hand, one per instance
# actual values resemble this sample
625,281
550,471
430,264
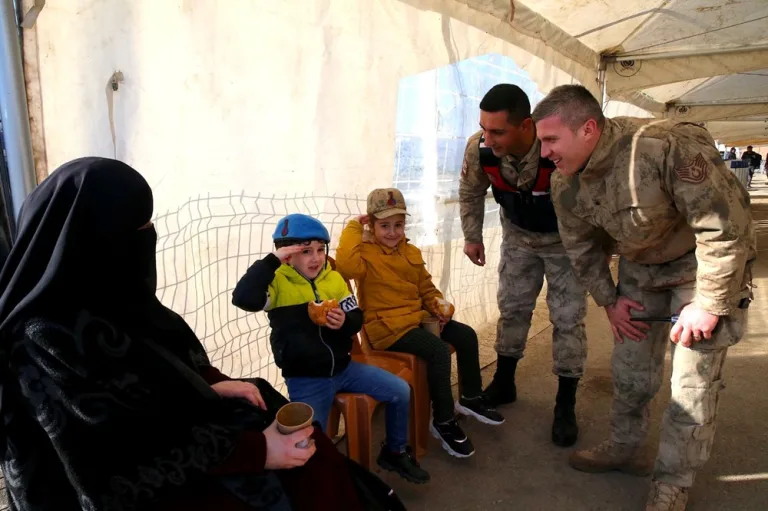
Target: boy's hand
363,219
335,318
285,253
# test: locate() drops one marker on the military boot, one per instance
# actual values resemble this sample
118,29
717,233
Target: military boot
666,497
502,389
608,456
565,431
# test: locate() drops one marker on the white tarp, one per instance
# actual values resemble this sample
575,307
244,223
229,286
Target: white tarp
239,111
696,60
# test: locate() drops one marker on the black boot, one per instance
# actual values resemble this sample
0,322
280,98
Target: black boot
502,389
565,431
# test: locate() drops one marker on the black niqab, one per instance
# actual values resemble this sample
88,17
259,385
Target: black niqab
102,405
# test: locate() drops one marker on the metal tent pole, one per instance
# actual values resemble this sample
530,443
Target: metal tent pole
13,110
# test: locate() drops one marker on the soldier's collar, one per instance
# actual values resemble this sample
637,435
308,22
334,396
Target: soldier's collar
596,166
531,158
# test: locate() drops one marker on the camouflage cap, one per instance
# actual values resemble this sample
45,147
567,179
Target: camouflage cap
386,202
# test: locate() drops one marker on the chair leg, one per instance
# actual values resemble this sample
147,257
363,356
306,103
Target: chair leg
332,429
458,378
423,405
413,432
365,438
358,415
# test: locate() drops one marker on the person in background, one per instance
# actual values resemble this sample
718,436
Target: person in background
753,160
658,194
504,155
313,348
396,294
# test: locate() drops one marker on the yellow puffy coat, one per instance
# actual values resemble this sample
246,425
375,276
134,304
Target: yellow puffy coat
394,289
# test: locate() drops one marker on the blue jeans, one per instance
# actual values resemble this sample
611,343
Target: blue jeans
357,378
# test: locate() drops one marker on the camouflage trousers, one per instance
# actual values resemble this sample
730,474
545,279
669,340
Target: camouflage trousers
688,425
521,276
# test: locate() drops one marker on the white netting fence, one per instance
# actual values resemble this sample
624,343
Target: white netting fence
207,244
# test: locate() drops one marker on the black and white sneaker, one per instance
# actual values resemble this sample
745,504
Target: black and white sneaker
454,440
480,409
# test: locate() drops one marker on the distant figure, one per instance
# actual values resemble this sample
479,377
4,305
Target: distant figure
753,160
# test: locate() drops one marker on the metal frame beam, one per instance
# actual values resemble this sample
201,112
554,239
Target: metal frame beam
702,52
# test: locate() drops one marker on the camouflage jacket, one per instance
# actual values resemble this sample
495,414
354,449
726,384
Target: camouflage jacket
653,191
474,184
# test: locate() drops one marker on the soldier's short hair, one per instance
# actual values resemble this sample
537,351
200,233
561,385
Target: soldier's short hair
509,98
574,104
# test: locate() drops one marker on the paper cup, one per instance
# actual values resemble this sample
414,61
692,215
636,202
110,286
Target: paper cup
431,325
294,417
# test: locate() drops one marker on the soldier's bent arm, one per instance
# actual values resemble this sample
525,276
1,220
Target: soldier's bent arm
585,245
473,186
716,206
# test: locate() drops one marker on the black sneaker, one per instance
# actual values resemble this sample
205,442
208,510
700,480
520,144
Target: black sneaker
454,440
480,409
404,464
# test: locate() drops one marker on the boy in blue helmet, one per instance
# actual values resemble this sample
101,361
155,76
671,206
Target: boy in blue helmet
315,360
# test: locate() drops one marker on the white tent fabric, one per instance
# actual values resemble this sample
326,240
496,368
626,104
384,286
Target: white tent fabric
693,60
238,111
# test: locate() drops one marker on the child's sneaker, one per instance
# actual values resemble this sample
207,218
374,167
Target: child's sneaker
480,409
454,440
403,463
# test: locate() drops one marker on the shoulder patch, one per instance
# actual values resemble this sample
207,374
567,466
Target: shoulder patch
348,304
464,167
693,171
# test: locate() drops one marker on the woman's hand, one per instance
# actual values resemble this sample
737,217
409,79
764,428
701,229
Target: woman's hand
282,452
335,318
240,389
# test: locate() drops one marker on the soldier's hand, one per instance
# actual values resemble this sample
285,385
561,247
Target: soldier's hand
475,252
693,324
620,316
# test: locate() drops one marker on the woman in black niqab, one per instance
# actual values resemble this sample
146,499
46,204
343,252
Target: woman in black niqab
106,399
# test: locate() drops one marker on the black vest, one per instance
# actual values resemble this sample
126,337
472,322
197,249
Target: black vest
530,210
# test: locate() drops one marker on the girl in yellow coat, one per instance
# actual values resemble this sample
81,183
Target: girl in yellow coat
396,293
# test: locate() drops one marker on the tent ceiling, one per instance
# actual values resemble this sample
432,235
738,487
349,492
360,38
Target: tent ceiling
708,56
694,60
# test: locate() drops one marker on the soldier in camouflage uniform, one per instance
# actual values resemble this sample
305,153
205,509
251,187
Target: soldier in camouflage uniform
504,155
658,194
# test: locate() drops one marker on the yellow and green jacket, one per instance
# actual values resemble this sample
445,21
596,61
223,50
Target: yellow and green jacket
300,347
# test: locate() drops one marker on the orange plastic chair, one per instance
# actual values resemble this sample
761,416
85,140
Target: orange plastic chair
420,401
357,410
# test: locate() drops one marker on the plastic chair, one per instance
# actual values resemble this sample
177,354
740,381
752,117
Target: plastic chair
420,401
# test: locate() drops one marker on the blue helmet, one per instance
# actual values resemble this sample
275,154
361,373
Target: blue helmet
300,227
